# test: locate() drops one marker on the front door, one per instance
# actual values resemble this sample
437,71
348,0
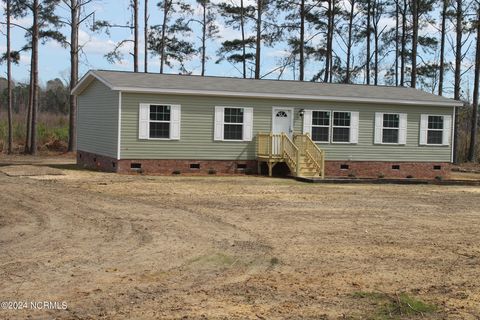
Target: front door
283,121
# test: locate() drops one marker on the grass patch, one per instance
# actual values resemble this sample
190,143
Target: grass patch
216,259
50,128
274,261
396,306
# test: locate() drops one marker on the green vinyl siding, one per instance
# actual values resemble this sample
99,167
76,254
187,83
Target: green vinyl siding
97,121
197,125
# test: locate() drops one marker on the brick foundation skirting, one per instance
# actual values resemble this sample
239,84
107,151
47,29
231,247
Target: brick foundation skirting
380,169
360,169
93,161
166,167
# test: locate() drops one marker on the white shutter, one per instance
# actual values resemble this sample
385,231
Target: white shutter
354,125
423,129
218,129
307,122
447,130
143,121
402,132
175,119
378,127
247,124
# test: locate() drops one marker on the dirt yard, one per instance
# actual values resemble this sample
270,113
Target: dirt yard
139,247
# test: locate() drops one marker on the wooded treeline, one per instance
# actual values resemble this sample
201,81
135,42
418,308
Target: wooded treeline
427,44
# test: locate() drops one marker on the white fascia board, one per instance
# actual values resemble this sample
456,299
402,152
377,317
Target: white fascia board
286,96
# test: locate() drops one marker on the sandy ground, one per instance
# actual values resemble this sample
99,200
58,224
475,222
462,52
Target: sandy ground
138,247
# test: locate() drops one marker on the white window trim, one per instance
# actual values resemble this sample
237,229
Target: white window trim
223,124
160,121
331,126
382,128
443,144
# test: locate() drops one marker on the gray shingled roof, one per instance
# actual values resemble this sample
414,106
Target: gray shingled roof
185,84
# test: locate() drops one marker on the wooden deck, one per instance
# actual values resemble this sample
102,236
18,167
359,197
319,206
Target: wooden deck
301,154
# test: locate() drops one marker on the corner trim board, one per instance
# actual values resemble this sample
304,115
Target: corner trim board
119,137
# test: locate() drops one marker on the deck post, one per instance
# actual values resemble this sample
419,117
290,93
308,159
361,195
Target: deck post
323,166
297,168
282,144
271,145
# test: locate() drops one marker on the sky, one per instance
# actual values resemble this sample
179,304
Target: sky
54,59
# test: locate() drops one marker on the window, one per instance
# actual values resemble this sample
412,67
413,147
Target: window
328,126
390,128
341,127
233,124
391,125
159,122
321,126
435,130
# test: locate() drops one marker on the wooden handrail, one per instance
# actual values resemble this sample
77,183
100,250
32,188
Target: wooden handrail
269,145
275,148
290,154
315,155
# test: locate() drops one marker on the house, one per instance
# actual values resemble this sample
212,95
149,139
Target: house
165,124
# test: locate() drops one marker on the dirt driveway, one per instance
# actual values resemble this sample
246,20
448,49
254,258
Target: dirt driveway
137,247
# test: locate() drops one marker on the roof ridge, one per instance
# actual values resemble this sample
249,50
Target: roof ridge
252,79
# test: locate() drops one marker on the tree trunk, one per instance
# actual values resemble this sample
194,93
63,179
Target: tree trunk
458,50
404,44
328,55
332,32
35,36
301,75
259,38
367,63
442,47
145,36
458,74
397,39
136,36
376,40
9,85
75,17
349,40
28,135
162,43
244,49
204,36
472,154
413,78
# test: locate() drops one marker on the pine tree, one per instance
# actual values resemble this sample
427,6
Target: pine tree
209,29
75,7
165,40
44,17
237,50
116,55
